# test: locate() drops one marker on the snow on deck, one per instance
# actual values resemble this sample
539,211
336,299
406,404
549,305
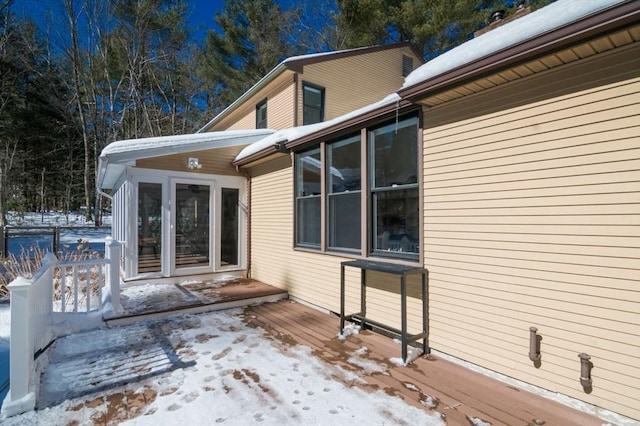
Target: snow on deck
203,369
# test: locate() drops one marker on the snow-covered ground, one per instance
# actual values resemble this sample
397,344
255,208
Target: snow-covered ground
51,219
69,238
205,369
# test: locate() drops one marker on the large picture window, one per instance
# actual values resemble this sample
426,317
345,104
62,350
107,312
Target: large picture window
343,194
393,171
308,198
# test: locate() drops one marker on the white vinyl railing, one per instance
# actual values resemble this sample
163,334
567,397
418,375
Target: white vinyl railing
59,293
78,285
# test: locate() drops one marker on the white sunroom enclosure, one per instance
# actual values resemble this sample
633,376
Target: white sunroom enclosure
182,223
174,222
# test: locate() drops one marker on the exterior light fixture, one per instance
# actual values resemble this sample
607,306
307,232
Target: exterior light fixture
194,163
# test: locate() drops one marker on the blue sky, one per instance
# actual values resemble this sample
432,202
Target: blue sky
201,12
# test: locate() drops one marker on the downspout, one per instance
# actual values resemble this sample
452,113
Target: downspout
295,100
104,194
102,165
248,211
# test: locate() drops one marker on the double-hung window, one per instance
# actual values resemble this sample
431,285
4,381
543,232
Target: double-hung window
308,198
313,104
393,183
343,194
336,181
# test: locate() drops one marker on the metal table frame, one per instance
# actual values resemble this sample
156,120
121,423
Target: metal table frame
403,271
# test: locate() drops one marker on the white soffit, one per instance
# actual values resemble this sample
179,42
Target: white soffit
117,155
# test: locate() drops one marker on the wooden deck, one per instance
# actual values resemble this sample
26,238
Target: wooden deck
428,382
153,300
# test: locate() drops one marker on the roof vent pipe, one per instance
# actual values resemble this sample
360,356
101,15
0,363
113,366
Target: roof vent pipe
496,16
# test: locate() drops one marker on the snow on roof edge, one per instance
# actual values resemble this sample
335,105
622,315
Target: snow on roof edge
280,67
548,18
293,133
159,142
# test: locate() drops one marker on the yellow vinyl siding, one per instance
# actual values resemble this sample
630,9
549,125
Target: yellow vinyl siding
353,82
532,218
280,97
280,108
312,277
247,121
214,161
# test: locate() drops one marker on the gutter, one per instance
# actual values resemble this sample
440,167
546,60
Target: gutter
606,21
104,194
273,149
402,106
614,18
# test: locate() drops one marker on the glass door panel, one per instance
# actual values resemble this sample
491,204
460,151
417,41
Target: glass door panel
229,227
192,236
149,227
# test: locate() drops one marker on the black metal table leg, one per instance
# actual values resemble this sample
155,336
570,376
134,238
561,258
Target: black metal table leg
403,309
424,313
341,298
363,297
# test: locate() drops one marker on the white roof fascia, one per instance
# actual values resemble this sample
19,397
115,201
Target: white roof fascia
271,75
132,149
293,133
116,156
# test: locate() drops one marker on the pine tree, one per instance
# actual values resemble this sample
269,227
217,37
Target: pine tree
255,35
434,26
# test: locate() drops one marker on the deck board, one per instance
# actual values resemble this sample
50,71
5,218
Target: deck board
461,394
140,300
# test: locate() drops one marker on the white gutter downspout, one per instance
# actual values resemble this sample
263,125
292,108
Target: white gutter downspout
247,209
104,194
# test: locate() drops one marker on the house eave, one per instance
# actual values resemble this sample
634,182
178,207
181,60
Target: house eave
296,65
598,24
352,124
272,75
116,157
250,160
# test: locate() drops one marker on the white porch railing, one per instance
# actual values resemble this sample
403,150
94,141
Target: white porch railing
60,298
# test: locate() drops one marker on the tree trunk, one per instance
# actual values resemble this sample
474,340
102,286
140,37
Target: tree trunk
79,90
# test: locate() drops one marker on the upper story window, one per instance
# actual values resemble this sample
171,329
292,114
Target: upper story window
261,115
407,65
391,201
313,104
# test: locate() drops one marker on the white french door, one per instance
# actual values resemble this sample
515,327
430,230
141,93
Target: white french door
191,233
185,224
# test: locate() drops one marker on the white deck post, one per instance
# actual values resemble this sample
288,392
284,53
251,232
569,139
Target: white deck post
19,399
112,252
